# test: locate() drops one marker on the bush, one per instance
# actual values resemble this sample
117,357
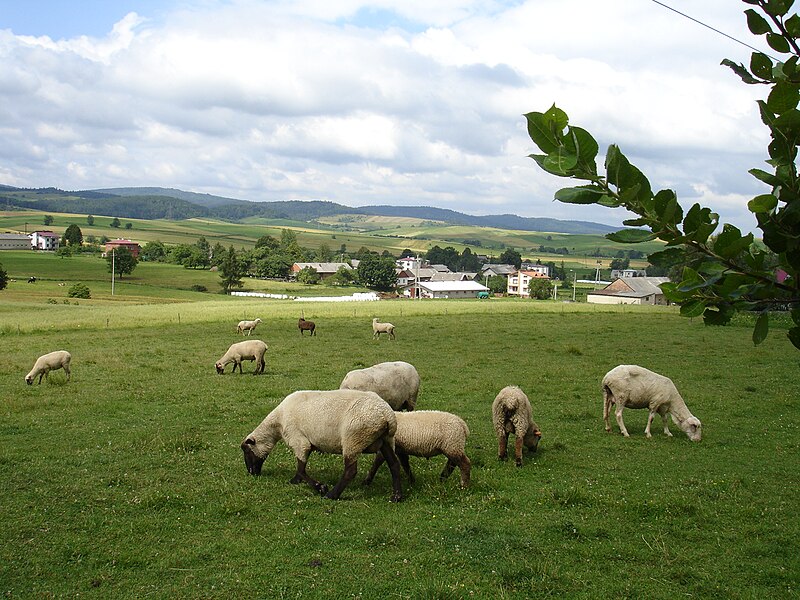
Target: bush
79,290
199,288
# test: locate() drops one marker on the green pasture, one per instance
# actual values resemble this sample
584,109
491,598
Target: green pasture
128,481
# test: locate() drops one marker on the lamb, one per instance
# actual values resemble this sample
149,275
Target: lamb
247,326
396,382
633,386
60,359
379,328
304,325
247,350
512,413
429,433
346,422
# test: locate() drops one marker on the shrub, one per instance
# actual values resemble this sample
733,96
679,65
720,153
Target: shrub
79,290
199,288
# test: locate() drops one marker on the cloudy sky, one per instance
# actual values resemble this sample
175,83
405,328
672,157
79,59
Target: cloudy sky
404,102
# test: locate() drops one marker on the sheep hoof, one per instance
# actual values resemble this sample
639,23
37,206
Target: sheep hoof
295,480
396,498
502,457
323,489
519,463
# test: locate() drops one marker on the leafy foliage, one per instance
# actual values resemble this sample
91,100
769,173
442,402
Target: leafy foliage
47,220
73,236
122,261
115,222
79,290
3,278
377,272
308,275
231,271
540,289
729,272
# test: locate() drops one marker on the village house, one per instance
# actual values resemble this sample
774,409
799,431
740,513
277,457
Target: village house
630,290
519,282
323,269
15,241
44,240
444,289
121,243
490,270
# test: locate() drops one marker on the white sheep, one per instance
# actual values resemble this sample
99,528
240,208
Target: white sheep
633,386
247,350
247,326
379,328
429,433
346,422
59,359
512,413
396,382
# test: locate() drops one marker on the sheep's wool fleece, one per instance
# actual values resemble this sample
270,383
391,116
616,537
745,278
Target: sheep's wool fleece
636,387
335,422
430,432
396,382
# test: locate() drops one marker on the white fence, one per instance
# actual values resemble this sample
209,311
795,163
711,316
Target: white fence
356,297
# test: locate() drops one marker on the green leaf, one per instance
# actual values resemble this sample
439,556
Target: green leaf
761,65
778,43
783,97
720,316
580,195
767,178
560,162
631,236
667,258
761,329
693,308
792,25
741,71
585,146
777,8
636,222
757,24
730,242
763,203
667,207
541,132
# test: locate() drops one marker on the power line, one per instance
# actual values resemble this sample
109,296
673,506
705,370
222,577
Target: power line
722,33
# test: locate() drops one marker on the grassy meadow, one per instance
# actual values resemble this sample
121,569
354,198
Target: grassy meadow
128,481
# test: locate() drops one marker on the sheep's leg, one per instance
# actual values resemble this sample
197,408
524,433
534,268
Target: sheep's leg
618,414
449,467
376,464
42,374
502,446
518,450
394,467
608,401
403,458
301,476
66,369
649,422
463,463
665,420
350,470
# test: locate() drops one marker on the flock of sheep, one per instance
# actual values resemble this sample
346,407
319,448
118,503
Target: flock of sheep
365,415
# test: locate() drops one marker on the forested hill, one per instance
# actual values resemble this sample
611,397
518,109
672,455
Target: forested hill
169,203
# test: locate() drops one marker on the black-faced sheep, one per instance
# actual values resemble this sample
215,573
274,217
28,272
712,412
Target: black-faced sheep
346,422
379,328
633,386
429,433
396,382
247,350
60,359
304,325
512,413
247,326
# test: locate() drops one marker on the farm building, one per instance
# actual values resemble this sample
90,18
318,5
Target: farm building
519,282
630,290
44,240
444,289
120,243
491,270
323,269
15,241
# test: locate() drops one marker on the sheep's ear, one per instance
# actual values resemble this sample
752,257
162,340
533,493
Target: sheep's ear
250,442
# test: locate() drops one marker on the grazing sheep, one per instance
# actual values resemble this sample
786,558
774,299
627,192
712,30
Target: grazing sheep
632,386
247,350
59,359
304,325
512,413
346,422
396,382
379,328
31,279
429,433
247,326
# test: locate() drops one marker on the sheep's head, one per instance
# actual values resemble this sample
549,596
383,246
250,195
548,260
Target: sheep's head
29,380
532,437
220,368
693,428
254,455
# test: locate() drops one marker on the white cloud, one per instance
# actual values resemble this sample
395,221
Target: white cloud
383,102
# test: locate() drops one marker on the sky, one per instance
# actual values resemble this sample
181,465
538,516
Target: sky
401,102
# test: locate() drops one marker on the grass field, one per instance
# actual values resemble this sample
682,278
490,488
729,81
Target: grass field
128,481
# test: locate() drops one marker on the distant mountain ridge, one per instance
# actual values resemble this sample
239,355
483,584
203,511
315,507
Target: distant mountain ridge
170,203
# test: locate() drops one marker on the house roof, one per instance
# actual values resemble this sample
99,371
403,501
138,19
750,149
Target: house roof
441,268
49,234
121,242
15,236
322,267
452,286
637,287
452,276
499,269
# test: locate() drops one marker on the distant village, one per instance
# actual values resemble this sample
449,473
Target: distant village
418,278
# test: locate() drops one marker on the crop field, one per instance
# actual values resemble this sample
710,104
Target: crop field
128,480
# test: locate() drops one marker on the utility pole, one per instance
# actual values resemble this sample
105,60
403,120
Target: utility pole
113,256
